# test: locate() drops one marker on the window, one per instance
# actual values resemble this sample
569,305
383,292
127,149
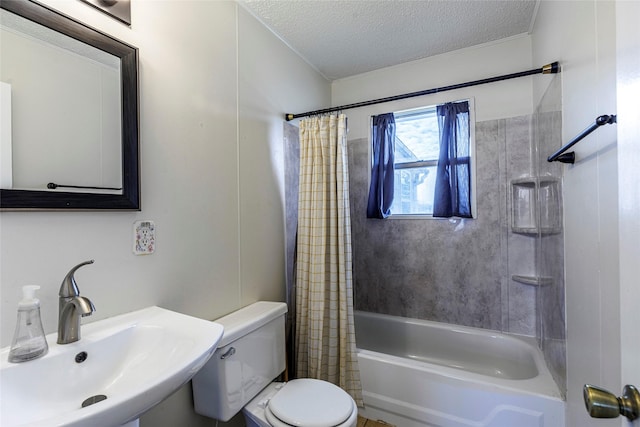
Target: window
419,182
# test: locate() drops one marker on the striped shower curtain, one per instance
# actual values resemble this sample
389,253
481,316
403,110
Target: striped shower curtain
325,336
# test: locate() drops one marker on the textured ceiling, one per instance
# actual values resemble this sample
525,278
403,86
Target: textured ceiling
341,38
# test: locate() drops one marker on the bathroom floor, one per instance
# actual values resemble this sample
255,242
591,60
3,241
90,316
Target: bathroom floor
363,422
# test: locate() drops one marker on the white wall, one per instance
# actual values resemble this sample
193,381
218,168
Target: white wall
272,82
581,35
628,93
509,98
6,176
213,90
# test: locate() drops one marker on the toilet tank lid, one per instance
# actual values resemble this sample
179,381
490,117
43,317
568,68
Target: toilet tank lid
241,322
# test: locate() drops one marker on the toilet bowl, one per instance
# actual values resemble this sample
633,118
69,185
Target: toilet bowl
301,402
240,374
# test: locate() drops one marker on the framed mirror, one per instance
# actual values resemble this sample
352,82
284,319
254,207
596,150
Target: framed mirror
73,139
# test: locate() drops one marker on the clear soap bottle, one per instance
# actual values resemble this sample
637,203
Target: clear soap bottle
29,341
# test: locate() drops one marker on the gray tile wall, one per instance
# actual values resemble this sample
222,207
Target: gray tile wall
521,299
450,271
291,181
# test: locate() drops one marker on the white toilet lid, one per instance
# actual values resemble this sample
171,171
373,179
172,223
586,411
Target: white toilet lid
311,403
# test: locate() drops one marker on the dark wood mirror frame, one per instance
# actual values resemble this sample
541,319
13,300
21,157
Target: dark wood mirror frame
53,200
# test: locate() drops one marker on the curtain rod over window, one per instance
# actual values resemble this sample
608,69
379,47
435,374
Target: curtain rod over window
552,68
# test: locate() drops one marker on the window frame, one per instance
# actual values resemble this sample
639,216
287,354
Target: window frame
432,163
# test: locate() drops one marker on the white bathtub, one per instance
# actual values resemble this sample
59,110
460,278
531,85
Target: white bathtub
417,373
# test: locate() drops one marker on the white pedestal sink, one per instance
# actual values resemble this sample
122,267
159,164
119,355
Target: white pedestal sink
126,365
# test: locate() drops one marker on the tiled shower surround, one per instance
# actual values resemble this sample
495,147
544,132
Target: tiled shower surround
460,271
453,271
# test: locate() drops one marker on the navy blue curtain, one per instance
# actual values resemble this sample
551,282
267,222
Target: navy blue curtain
381,189
453,176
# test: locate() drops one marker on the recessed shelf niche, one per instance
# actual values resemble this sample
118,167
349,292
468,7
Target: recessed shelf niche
535,200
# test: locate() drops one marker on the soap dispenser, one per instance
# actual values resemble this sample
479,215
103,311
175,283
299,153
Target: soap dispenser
29,341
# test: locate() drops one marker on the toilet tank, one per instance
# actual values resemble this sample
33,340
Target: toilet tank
250,355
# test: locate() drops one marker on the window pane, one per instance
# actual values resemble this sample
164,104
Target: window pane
417,136
413,191
417,139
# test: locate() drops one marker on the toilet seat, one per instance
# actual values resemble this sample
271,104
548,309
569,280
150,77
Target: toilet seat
311,403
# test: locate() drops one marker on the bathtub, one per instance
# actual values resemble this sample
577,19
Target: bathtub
418,373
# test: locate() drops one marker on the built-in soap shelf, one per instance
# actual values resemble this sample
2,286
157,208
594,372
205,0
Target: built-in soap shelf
532,280
525,194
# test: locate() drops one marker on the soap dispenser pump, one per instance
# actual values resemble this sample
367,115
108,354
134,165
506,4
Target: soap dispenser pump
29,341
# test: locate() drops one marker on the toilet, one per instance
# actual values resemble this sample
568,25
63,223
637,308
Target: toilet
240,377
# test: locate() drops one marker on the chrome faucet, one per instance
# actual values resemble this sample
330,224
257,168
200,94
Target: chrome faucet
71,306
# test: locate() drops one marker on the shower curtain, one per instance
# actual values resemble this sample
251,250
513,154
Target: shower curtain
324,331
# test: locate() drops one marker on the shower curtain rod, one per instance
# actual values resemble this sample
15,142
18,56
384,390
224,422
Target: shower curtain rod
552,68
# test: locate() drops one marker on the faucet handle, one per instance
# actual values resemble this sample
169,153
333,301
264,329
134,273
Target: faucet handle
69,287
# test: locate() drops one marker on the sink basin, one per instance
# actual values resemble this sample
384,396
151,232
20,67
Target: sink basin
135,360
